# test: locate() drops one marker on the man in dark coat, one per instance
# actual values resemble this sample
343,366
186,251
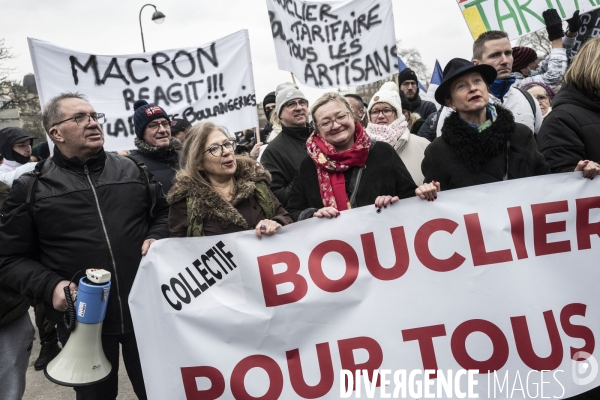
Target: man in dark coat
283,155
155,146
409,84
87,209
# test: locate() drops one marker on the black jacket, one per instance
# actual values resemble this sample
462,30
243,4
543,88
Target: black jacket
422,107
384,174
282,158
463,157
13,305
162,162
571,131
63,233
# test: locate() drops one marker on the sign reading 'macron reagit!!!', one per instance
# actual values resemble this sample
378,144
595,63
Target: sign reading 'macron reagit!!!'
334,43
490,291
210,82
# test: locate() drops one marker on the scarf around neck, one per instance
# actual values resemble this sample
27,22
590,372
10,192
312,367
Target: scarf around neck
491,115
476,148
391,134
331,165
501,86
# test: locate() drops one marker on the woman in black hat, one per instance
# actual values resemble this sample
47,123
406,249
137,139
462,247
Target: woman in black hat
480,142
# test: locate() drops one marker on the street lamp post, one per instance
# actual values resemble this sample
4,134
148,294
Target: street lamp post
157,17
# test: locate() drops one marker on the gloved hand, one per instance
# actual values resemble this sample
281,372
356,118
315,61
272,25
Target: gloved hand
553,24
574,22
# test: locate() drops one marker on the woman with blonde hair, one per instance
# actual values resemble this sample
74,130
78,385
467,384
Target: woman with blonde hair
571,132
217,192
345,168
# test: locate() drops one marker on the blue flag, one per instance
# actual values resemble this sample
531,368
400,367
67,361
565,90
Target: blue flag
437,76
402,67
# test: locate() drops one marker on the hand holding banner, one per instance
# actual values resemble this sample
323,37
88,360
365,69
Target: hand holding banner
211,82
337,43
515,17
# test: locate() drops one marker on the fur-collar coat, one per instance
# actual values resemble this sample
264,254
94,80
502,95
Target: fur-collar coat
218,215
464,157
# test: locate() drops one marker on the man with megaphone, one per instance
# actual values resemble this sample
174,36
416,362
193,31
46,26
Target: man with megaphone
83,209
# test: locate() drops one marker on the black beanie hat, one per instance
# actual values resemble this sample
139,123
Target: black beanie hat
269,98
407,74
41,151
144,114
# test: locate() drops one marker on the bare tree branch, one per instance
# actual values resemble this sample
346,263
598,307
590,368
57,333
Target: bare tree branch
538,41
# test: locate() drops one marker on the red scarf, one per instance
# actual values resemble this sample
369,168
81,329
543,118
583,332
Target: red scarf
331,165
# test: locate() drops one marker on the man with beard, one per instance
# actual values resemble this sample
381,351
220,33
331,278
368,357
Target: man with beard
409,84
283,155
82,208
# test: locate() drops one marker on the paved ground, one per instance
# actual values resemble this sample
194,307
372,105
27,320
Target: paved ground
40,388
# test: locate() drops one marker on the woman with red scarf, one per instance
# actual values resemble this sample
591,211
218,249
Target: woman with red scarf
345,168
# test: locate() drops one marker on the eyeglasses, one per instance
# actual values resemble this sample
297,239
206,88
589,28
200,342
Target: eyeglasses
153,126
84,119
293,104
541,97
328,125
218,149
386,111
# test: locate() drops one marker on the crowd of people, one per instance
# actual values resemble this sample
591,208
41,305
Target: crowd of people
503,116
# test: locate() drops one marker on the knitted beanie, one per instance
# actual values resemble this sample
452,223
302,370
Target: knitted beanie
388,93
285,92
144,114
407,74
269,99
547,88
523,56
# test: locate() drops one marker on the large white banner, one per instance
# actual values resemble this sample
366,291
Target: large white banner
517,18
501,278
210,82
334,43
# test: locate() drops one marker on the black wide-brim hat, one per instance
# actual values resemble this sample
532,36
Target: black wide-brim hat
457,67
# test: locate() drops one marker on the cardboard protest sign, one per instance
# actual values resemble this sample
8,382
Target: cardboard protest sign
590,28
495,287
517,18
210,82
334,43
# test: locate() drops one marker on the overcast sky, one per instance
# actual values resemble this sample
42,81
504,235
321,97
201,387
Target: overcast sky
111,27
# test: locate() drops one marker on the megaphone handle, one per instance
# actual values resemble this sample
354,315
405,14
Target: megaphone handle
69,317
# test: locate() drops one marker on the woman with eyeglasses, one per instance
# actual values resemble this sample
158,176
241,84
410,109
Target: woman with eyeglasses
217,192
155,147
345,168
387,123
543,94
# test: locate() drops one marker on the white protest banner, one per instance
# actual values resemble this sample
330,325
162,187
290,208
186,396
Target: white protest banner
517,18
334,43
502,278
211,82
